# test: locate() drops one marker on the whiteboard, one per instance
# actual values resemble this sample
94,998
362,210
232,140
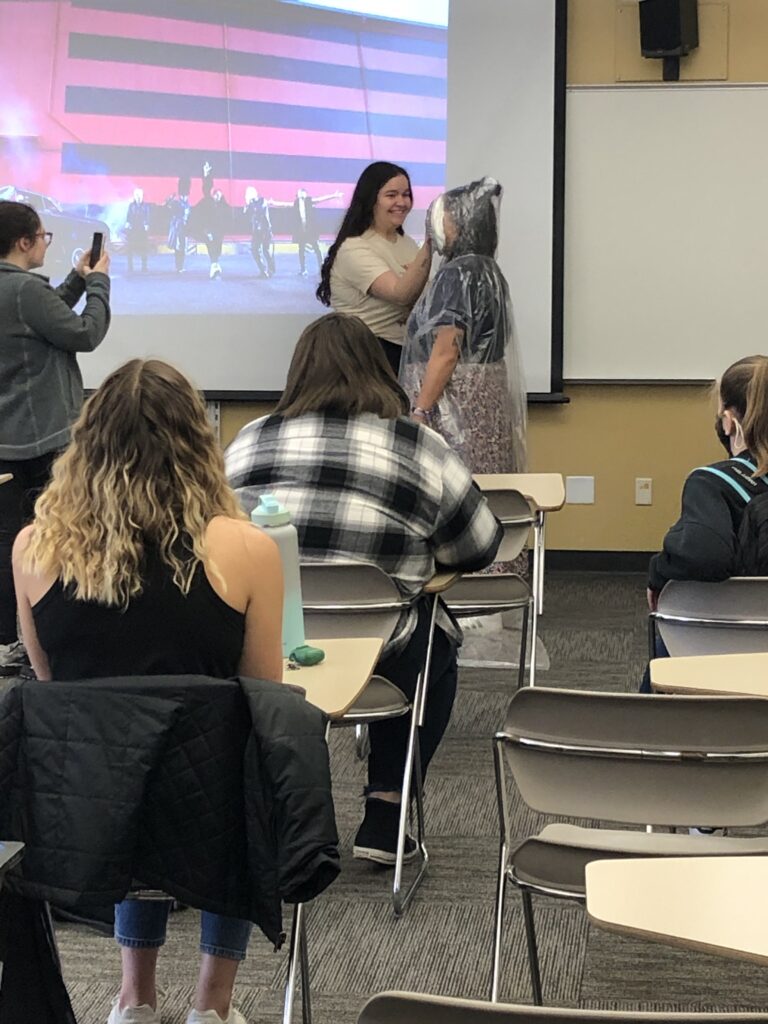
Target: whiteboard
666,231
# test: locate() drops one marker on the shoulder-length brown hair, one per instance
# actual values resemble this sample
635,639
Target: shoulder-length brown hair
338,367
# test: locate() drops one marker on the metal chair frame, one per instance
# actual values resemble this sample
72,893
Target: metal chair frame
514,513
667,754
419,1008
360,613
657,618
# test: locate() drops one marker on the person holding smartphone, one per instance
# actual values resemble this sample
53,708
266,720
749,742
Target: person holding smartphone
41,388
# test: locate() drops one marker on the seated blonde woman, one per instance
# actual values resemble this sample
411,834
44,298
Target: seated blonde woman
140,561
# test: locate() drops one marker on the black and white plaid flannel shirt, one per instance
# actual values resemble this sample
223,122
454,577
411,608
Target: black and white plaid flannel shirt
361,488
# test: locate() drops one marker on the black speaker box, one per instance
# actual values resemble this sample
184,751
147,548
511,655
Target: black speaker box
668,28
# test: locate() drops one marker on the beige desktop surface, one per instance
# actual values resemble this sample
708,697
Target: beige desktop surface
744,675
545,490
713,904
335,684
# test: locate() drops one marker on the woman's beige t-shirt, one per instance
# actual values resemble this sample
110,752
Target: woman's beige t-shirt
358,263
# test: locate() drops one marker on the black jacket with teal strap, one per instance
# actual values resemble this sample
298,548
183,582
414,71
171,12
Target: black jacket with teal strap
704,542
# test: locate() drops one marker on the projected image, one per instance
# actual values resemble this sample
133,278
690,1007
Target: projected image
217,144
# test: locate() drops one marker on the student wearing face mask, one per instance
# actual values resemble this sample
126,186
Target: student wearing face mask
704,542
708,542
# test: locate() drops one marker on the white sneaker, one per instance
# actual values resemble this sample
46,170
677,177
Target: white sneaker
133,1015
211,1017
215,270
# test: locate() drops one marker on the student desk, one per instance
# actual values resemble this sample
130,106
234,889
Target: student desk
545,492
737,675
713,904
335,684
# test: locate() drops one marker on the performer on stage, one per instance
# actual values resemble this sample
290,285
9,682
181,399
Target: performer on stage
257,210
178,205
306,233
137,230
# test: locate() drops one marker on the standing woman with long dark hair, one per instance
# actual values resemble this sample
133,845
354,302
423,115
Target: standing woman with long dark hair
374,270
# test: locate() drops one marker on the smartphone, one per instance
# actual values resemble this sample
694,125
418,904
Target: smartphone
96,247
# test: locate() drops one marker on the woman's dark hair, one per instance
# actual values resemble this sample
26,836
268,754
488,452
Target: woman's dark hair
744,390
17,221
359,216
338,366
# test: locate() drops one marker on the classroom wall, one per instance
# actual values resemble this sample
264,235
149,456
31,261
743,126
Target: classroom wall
619,432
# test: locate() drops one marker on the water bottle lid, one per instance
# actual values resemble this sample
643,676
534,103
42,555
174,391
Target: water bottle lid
269,512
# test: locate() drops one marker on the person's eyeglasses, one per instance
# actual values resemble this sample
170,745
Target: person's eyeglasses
47,235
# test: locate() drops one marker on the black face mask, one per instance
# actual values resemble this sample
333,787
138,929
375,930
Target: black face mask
722,437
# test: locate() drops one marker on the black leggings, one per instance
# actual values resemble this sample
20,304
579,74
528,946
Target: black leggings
17,500
392,352
389,740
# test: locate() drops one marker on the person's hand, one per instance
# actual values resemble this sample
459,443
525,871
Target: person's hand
653,599
102,264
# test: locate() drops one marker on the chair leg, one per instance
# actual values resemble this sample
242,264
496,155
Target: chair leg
501,893
297,967
306,995
411,773
539,554
534,606
523,644
362,742
533,953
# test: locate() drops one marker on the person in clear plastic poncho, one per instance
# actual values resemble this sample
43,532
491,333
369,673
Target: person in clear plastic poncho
461,365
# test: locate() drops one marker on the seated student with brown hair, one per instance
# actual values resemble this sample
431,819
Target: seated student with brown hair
363,482
709,542
140,562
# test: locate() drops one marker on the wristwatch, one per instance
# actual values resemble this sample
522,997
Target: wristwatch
416,410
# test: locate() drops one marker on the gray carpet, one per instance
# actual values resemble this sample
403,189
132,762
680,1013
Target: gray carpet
594,629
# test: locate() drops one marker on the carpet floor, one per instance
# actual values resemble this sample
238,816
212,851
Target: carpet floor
594,632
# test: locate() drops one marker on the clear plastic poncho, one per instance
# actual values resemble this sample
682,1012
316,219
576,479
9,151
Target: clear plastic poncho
482,410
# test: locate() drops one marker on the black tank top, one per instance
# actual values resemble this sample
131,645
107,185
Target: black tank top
161,632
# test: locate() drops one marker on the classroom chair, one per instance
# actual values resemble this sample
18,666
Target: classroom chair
629,758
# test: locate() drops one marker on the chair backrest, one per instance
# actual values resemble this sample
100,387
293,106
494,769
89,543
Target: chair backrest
515,515
349,599
415,1008
634,758
714,618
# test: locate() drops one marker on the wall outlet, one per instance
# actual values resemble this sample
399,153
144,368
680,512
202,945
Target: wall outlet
643,490
580,490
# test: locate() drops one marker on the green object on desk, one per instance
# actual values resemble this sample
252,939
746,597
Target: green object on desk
306,655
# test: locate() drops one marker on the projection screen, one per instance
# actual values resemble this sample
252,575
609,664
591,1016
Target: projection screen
178,126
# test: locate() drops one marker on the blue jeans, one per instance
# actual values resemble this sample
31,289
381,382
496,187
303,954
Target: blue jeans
141,924
660,651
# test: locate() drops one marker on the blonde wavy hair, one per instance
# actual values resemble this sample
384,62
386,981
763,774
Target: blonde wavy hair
143,469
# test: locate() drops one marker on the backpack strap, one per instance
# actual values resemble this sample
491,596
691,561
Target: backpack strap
747,497
750,465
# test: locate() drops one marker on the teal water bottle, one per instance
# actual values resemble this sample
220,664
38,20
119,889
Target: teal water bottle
275,519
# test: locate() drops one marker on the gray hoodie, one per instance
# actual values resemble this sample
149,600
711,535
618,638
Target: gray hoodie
41,388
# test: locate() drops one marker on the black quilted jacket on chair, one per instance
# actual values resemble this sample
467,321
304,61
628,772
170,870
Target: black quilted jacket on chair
217,792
